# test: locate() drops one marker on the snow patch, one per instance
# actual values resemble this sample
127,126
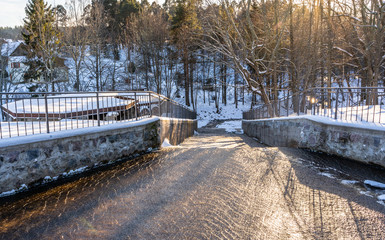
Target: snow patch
203,122
349,182
8,193
14,191
76,171
375,184
232,126
330,121
381,197
166,143
329,175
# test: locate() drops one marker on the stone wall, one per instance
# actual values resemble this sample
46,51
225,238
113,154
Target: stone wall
357,143
26,160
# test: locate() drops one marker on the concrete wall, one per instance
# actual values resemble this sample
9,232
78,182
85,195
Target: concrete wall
357,143
26,160
177,130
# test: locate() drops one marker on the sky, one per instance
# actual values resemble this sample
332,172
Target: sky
12,11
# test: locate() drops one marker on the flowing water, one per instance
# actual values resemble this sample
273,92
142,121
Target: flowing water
213,186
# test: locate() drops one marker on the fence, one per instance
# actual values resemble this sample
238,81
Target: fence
364,104
35,113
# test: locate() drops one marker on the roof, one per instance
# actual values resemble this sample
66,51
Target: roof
9,47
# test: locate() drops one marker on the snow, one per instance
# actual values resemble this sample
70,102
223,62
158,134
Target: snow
8,193
46,179
67,103
13,191
381,197
112,114
349,182
8,48
232,126
76,171
375,184
366,193
329,175
370,113
203,122
209,112
343,50
331,121
166,143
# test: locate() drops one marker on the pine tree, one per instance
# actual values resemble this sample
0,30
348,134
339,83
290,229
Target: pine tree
184,24
42,39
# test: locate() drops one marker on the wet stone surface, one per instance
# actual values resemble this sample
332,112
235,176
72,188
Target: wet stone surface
213,186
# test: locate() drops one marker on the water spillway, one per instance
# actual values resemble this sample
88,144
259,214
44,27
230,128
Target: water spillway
212,186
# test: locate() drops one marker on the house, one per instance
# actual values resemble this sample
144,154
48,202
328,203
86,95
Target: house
15,56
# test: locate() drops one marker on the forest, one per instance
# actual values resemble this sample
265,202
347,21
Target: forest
190,47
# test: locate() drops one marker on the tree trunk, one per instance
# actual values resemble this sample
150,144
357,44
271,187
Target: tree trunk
191,77
186,77
235,89
224,82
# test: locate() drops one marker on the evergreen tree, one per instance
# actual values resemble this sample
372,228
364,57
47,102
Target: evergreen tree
184,25
42,39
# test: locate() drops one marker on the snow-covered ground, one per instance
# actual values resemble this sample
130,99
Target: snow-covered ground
67,103
364,114
232,126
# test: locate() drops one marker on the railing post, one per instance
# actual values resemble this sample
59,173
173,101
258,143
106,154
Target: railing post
168,108
287,104
136,107
97,109
336,109
149,103
46,111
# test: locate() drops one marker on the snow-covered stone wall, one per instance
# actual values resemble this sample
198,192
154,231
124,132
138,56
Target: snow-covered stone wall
27,160
354,142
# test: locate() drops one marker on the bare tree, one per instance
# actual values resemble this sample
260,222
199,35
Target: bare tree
364,39
76,37
235,32
96,22
150,32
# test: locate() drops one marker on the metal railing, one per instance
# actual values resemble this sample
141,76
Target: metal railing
365,104
35,113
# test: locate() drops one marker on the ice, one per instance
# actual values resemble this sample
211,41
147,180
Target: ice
329,175
381,197
375,184
366,193
76,171
8,193
349,182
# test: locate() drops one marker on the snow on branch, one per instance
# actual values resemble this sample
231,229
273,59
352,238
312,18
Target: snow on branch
344,51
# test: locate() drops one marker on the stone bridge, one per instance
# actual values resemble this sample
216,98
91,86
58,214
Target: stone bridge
215,185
